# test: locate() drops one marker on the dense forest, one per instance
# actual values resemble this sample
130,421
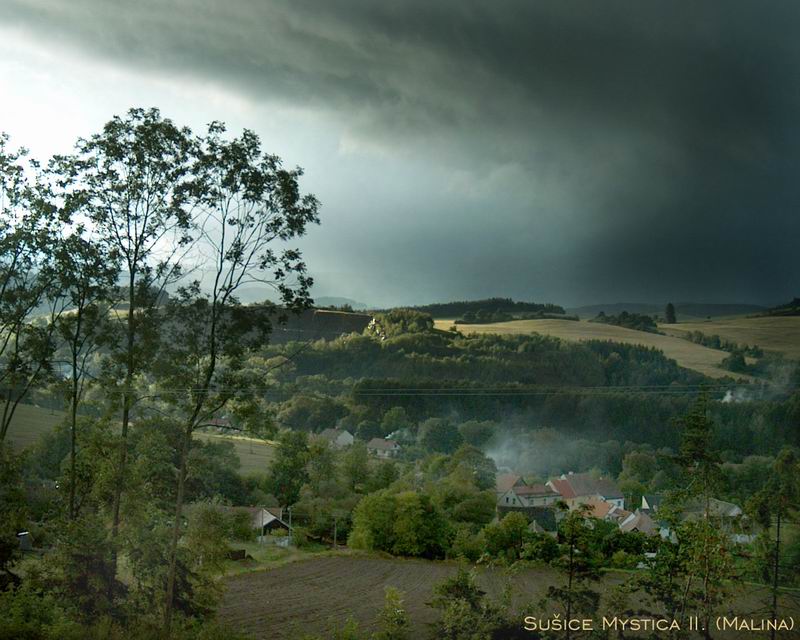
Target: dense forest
637,321
789,309
459,308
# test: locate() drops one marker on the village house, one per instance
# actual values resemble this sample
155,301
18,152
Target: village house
604,510
536,495
696,508
536,502
337,438
543,520
505,481
717,510
267,521
643,523
651,502
383,448
728,516
540,519
576,489
263,520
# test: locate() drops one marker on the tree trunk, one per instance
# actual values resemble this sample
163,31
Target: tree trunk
6,419
775,575
126,414
73,429
176,530
569,587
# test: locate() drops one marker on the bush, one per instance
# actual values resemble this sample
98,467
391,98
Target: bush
505,539
467,545
622,560
405,523
300,537
393,619
541,548
240,527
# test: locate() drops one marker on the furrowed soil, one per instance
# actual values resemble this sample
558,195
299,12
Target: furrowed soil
317,596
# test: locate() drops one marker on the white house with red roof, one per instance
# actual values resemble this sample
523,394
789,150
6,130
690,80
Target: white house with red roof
505,481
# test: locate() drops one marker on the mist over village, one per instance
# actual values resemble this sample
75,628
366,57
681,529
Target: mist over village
387,321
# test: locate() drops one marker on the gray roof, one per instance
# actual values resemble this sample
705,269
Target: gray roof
331,434
504,481
640,521
575,485
382,443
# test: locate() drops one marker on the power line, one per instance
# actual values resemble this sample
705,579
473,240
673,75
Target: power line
665,390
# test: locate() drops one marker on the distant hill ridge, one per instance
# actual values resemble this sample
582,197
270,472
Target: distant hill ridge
685,309
460,307
789,309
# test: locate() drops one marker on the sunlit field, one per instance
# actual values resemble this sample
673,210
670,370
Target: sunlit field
685,353
779,334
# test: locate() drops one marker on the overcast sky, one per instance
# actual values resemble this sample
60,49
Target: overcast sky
566,151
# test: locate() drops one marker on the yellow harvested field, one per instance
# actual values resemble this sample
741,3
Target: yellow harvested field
687,354
779,334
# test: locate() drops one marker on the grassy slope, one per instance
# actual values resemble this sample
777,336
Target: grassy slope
255,455
687,354
31,422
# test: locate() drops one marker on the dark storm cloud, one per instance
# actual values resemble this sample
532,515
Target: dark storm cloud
664,133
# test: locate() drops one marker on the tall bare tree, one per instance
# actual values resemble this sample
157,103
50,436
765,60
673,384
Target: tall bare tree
86,273
28,301
131,182
248,207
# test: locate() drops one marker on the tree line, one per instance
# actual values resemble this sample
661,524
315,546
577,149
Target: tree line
89,244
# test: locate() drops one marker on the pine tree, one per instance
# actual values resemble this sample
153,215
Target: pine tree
708,559
669,314
779,499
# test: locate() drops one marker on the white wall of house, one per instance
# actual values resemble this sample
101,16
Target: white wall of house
574,503
344,439
540,501
510,499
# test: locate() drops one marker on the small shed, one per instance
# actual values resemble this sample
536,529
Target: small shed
25,541
268,520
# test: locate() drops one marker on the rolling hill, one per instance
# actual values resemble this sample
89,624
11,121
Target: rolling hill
687,354
779,334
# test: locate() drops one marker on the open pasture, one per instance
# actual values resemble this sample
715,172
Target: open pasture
255,455
780,334
31,422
